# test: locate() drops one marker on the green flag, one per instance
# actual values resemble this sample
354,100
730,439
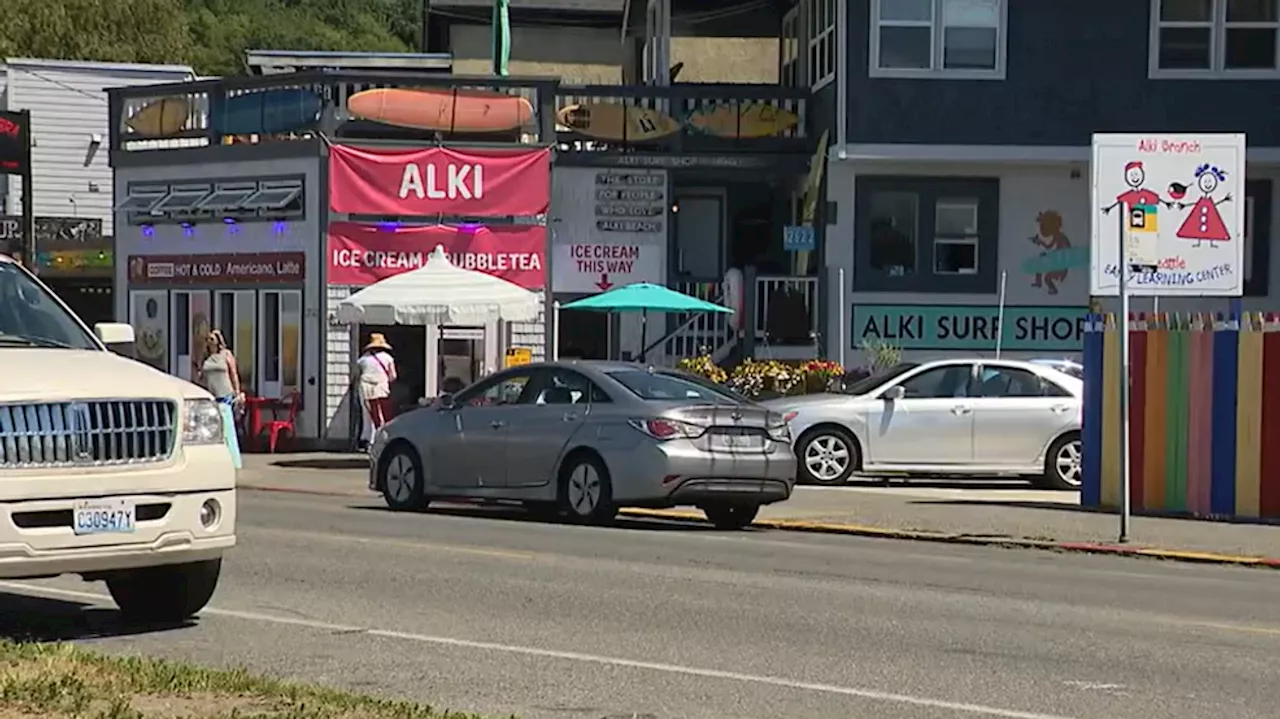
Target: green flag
501,36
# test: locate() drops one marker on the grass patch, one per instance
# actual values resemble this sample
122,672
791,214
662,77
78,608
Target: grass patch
61,681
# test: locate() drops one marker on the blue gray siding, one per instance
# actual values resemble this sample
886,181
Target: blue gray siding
1074,68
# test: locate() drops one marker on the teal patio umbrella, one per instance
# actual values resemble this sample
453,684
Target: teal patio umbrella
643,297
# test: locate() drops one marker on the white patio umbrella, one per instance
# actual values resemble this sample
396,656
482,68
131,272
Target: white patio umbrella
439,293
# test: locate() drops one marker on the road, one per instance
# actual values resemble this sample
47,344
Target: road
488,612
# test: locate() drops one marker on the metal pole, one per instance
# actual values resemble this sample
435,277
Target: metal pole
842,332
1124,378
28,196
1004,278
555,338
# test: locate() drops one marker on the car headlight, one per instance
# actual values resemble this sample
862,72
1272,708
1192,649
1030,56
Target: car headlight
780,432
202,422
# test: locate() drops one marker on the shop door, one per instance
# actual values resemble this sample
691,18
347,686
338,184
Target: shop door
235,313
280,340
190,314
700,234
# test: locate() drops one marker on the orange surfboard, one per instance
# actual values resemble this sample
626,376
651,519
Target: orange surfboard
442,110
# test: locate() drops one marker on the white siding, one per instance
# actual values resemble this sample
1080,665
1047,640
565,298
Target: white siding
339,353
68,108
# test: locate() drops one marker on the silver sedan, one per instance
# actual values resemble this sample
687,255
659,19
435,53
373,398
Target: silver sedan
962,416
585,438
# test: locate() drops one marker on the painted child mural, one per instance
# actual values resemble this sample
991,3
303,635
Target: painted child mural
1204,223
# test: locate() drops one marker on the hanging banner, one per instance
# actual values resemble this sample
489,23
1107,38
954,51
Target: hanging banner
15,143
361,254
439,181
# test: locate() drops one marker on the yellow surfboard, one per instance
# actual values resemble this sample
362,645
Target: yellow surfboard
617,122
159,118
758,119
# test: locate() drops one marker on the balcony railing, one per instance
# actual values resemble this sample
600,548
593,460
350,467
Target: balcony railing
340,104
684,117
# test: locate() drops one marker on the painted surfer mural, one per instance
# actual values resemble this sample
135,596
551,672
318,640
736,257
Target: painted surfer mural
1055,257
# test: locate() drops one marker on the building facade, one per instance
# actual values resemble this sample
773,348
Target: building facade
73,188
962,156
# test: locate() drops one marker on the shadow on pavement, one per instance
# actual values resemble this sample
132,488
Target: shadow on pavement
24,618
519,514
324,463
1091,510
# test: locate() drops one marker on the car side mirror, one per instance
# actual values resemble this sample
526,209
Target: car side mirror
447,401
118,337
894,392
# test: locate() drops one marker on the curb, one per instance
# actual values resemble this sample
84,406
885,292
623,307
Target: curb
862,530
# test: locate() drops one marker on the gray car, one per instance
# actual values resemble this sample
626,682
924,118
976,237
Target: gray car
585,438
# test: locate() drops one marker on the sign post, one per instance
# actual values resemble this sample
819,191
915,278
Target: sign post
1197,181
15,159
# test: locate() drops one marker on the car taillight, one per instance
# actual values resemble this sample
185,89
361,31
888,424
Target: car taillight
664,429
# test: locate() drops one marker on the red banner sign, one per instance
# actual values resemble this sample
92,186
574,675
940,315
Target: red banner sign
219,269
361,254
439,181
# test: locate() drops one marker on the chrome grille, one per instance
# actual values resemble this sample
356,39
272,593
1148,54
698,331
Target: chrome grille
88,433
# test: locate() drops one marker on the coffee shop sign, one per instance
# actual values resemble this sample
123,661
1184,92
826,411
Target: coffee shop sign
952,327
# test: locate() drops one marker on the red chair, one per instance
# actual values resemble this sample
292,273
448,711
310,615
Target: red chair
274,427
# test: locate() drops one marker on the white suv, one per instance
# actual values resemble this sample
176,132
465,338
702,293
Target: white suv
109,468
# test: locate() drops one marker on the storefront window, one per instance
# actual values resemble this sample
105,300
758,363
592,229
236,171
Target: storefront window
149,315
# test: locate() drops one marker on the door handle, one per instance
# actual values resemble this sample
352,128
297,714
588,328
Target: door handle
570,417
1060,408
497,424
961,410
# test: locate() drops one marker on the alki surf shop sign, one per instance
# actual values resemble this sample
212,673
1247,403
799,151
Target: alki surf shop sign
361,254
1176,205
439,181
975,328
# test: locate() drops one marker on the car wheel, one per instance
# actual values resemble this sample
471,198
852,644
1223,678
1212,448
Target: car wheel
168,593
731,516
1064,468
586,492
402,479
827,456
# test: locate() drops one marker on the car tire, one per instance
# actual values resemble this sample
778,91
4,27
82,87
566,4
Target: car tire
401,478
731,516
586,491
165,594
818,449
1063,465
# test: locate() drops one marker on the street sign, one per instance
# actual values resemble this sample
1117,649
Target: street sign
603,265
1176,202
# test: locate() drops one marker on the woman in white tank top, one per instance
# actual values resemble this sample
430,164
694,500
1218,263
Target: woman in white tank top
219,374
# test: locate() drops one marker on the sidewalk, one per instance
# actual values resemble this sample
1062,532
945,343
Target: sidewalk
971,512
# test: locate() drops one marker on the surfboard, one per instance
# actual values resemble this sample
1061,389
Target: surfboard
617,122
159,118
267,112
442,110
758,119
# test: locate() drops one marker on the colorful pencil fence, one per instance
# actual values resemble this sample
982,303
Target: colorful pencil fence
1204,415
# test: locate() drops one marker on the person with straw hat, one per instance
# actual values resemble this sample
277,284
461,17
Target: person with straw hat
374,372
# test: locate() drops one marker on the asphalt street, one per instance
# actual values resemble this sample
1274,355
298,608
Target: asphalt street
489,612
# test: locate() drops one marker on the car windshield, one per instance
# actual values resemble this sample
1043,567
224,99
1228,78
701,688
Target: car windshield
665,386
867,384
1064,366
704,383
30,316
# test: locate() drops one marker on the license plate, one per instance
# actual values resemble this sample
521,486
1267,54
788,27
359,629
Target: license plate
103,518
737,441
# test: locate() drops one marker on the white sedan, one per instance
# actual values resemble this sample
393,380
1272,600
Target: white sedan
978,417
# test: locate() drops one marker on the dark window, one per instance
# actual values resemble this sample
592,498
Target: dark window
271,336
564,386
181,322
926,234
939,383
1257,237
1010,382
656,386
226,314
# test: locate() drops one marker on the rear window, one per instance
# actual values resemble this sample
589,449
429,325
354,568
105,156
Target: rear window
656,386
